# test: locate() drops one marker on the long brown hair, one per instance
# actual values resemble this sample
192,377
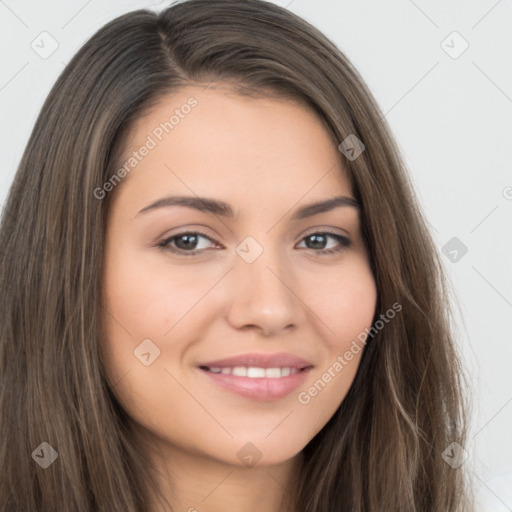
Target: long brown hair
382,449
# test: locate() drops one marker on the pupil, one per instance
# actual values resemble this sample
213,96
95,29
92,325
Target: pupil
190,241
318,241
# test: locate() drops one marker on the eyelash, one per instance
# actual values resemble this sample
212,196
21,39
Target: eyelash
343,241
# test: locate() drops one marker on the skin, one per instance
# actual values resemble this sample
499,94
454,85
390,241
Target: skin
266,158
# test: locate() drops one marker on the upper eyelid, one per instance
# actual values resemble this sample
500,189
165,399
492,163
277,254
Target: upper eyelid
200,229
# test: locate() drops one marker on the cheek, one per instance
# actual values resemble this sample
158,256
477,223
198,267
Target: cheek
345,304
144,302
148,299
345,301
138,305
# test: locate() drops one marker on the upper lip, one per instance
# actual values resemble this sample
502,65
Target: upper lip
280,360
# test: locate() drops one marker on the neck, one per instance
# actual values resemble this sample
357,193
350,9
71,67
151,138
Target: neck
196,483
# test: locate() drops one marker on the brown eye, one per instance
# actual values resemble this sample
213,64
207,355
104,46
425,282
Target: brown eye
188,242
319,242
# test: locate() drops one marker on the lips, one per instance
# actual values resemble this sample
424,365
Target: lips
280,360
258,376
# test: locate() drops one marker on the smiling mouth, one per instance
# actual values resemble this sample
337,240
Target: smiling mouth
256,382
255,372
257,376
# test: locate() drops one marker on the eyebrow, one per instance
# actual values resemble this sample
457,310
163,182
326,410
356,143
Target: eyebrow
223,209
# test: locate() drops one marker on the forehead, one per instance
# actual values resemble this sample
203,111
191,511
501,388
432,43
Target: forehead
213,141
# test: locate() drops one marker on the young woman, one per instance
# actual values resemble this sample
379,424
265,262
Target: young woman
219,292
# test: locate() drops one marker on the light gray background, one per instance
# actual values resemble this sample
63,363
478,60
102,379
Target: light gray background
452,118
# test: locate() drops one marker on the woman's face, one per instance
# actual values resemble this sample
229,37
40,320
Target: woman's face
224,314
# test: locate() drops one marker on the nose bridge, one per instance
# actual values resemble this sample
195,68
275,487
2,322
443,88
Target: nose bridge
262,285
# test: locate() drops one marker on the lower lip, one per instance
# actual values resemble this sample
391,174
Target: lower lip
259,389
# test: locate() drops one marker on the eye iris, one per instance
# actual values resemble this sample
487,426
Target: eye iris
318,241
190,241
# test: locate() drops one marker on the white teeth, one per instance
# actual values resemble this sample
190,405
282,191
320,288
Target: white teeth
239,371
286,371
273,373
255,372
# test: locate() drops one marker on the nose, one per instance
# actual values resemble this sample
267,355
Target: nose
263,296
